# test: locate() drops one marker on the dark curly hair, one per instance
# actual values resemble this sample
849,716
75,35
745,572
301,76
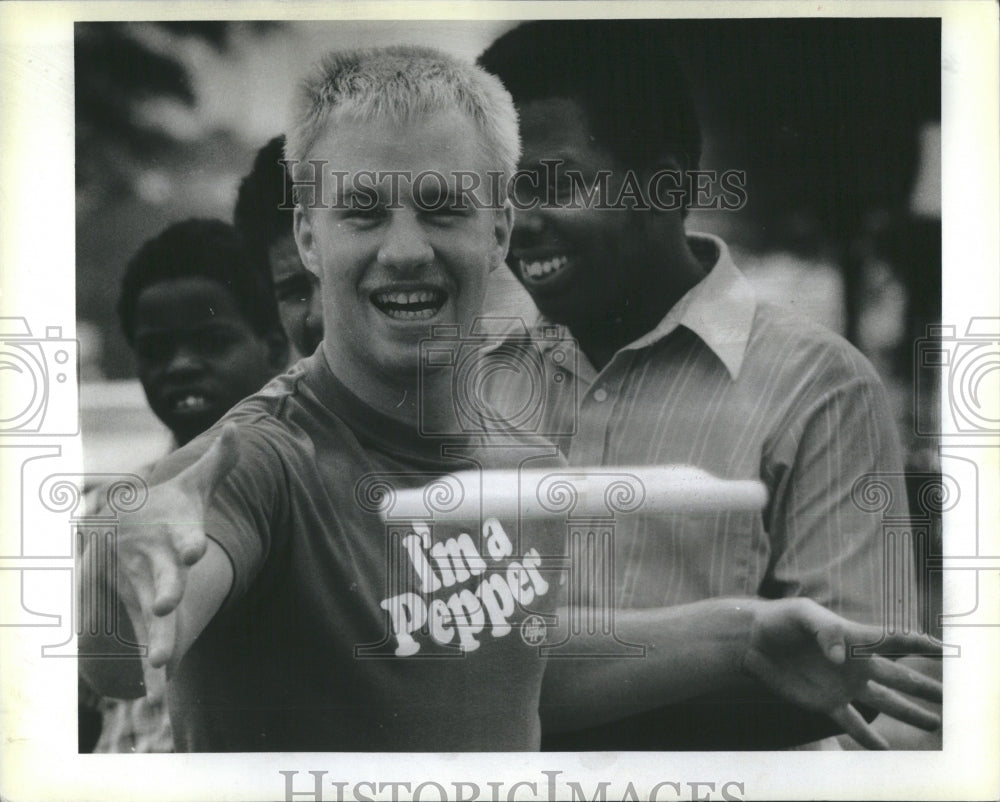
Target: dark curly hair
263,212
200,248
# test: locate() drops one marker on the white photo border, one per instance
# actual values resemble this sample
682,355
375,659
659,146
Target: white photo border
39,757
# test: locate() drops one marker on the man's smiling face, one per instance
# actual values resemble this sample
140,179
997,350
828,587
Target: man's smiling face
579,264
393,261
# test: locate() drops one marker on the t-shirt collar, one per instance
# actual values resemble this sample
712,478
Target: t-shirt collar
380,430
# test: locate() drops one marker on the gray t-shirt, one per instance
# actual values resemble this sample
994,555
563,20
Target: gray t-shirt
335,637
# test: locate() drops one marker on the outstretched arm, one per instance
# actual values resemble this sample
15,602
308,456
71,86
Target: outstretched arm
793,647
166,574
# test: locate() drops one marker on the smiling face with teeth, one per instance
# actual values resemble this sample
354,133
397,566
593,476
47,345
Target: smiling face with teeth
609,274
196,354
389,272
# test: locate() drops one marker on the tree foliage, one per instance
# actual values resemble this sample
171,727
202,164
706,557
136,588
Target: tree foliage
119,69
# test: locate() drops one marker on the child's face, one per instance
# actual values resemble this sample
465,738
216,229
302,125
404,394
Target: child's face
196,354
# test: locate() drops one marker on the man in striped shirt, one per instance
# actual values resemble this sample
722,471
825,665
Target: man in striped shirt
678,362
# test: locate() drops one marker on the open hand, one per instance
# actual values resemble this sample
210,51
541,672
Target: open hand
802,652
158,545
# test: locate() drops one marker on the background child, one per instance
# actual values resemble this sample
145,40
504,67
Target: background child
203,325
202,322
263,220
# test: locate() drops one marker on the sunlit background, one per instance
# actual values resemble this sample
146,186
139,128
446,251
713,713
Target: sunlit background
836,122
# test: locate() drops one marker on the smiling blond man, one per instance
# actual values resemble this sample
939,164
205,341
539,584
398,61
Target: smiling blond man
288,615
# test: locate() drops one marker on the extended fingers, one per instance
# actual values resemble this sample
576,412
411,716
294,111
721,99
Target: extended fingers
897,706
153,589
901,678
899,644
138,601
853,724
169,580
162,639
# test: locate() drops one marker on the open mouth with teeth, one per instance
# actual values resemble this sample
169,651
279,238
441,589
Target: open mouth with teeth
410,304
542,269
189,404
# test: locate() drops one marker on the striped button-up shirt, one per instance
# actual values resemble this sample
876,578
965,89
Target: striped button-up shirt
740,389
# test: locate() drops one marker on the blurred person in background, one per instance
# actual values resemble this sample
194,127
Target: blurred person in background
203,326
263,218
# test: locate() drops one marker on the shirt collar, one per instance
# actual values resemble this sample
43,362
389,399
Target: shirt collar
719,309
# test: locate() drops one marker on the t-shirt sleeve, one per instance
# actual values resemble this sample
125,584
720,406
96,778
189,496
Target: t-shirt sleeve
243,508
827,540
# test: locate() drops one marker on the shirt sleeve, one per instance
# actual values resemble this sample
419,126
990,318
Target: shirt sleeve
242,511
828,541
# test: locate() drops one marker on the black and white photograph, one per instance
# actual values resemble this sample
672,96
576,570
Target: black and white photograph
500,401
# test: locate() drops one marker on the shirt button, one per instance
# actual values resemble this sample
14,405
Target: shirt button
600,395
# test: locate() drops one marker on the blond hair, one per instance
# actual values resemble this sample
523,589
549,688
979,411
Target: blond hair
399,83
